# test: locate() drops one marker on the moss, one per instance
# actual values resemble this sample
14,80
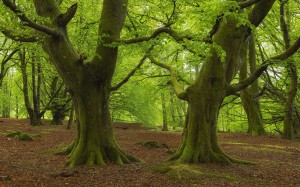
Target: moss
188,172
151,144
25,137
161,168
171,151
19,135
3,134
13,133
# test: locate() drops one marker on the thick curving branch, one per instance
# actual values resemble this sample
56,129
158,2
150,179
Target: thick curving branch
13,7
178,88
21,37
176,36
126,79
246,82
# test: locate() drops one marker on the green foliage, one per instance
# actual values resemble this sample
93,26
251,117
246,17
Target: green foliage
135,103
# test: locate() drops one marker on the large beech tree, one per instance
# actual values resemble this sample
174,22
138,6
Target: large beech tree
213,83
88,82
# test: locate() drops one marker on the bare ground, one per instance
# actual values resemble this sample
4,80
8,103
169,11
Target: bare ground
33,163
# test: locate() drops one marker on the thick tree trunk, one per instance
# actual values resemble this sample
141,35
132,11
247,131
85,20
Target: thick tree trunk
199,141
71,118
96,143
206,94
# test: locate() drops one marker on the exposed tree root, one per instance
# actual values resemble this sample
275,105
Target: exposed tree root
212,157
81,155
186,171
66,150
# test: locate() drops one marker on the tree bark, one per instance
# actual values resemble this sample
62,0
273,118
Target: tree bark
205,96
250,103
34,119
88,82
164,112
96,142
290,118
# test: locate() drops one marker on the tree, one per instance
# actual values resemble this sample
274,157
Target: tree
213,83
290,118
248,96
88,82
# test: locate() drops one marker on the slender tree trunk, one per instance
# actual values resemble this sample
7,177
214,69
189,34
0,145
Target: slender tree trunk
164,111
17,107
172,111
33,120
290,118
249,102
6,104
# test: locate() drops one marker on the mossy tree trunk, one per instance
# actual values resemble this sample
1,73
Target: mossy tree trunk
96,143
88,82
290,118
250,102
205,96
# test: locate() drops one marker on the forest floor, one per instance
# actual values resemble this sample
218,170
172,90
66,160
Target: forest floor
33,163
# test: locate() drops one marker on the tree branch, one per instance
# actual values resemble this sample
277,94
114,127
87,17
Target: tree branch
63,19
13,7
50,100
176,36
21,37
289,52
178,88
126,79
248,81
259,11
248,3
9,57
